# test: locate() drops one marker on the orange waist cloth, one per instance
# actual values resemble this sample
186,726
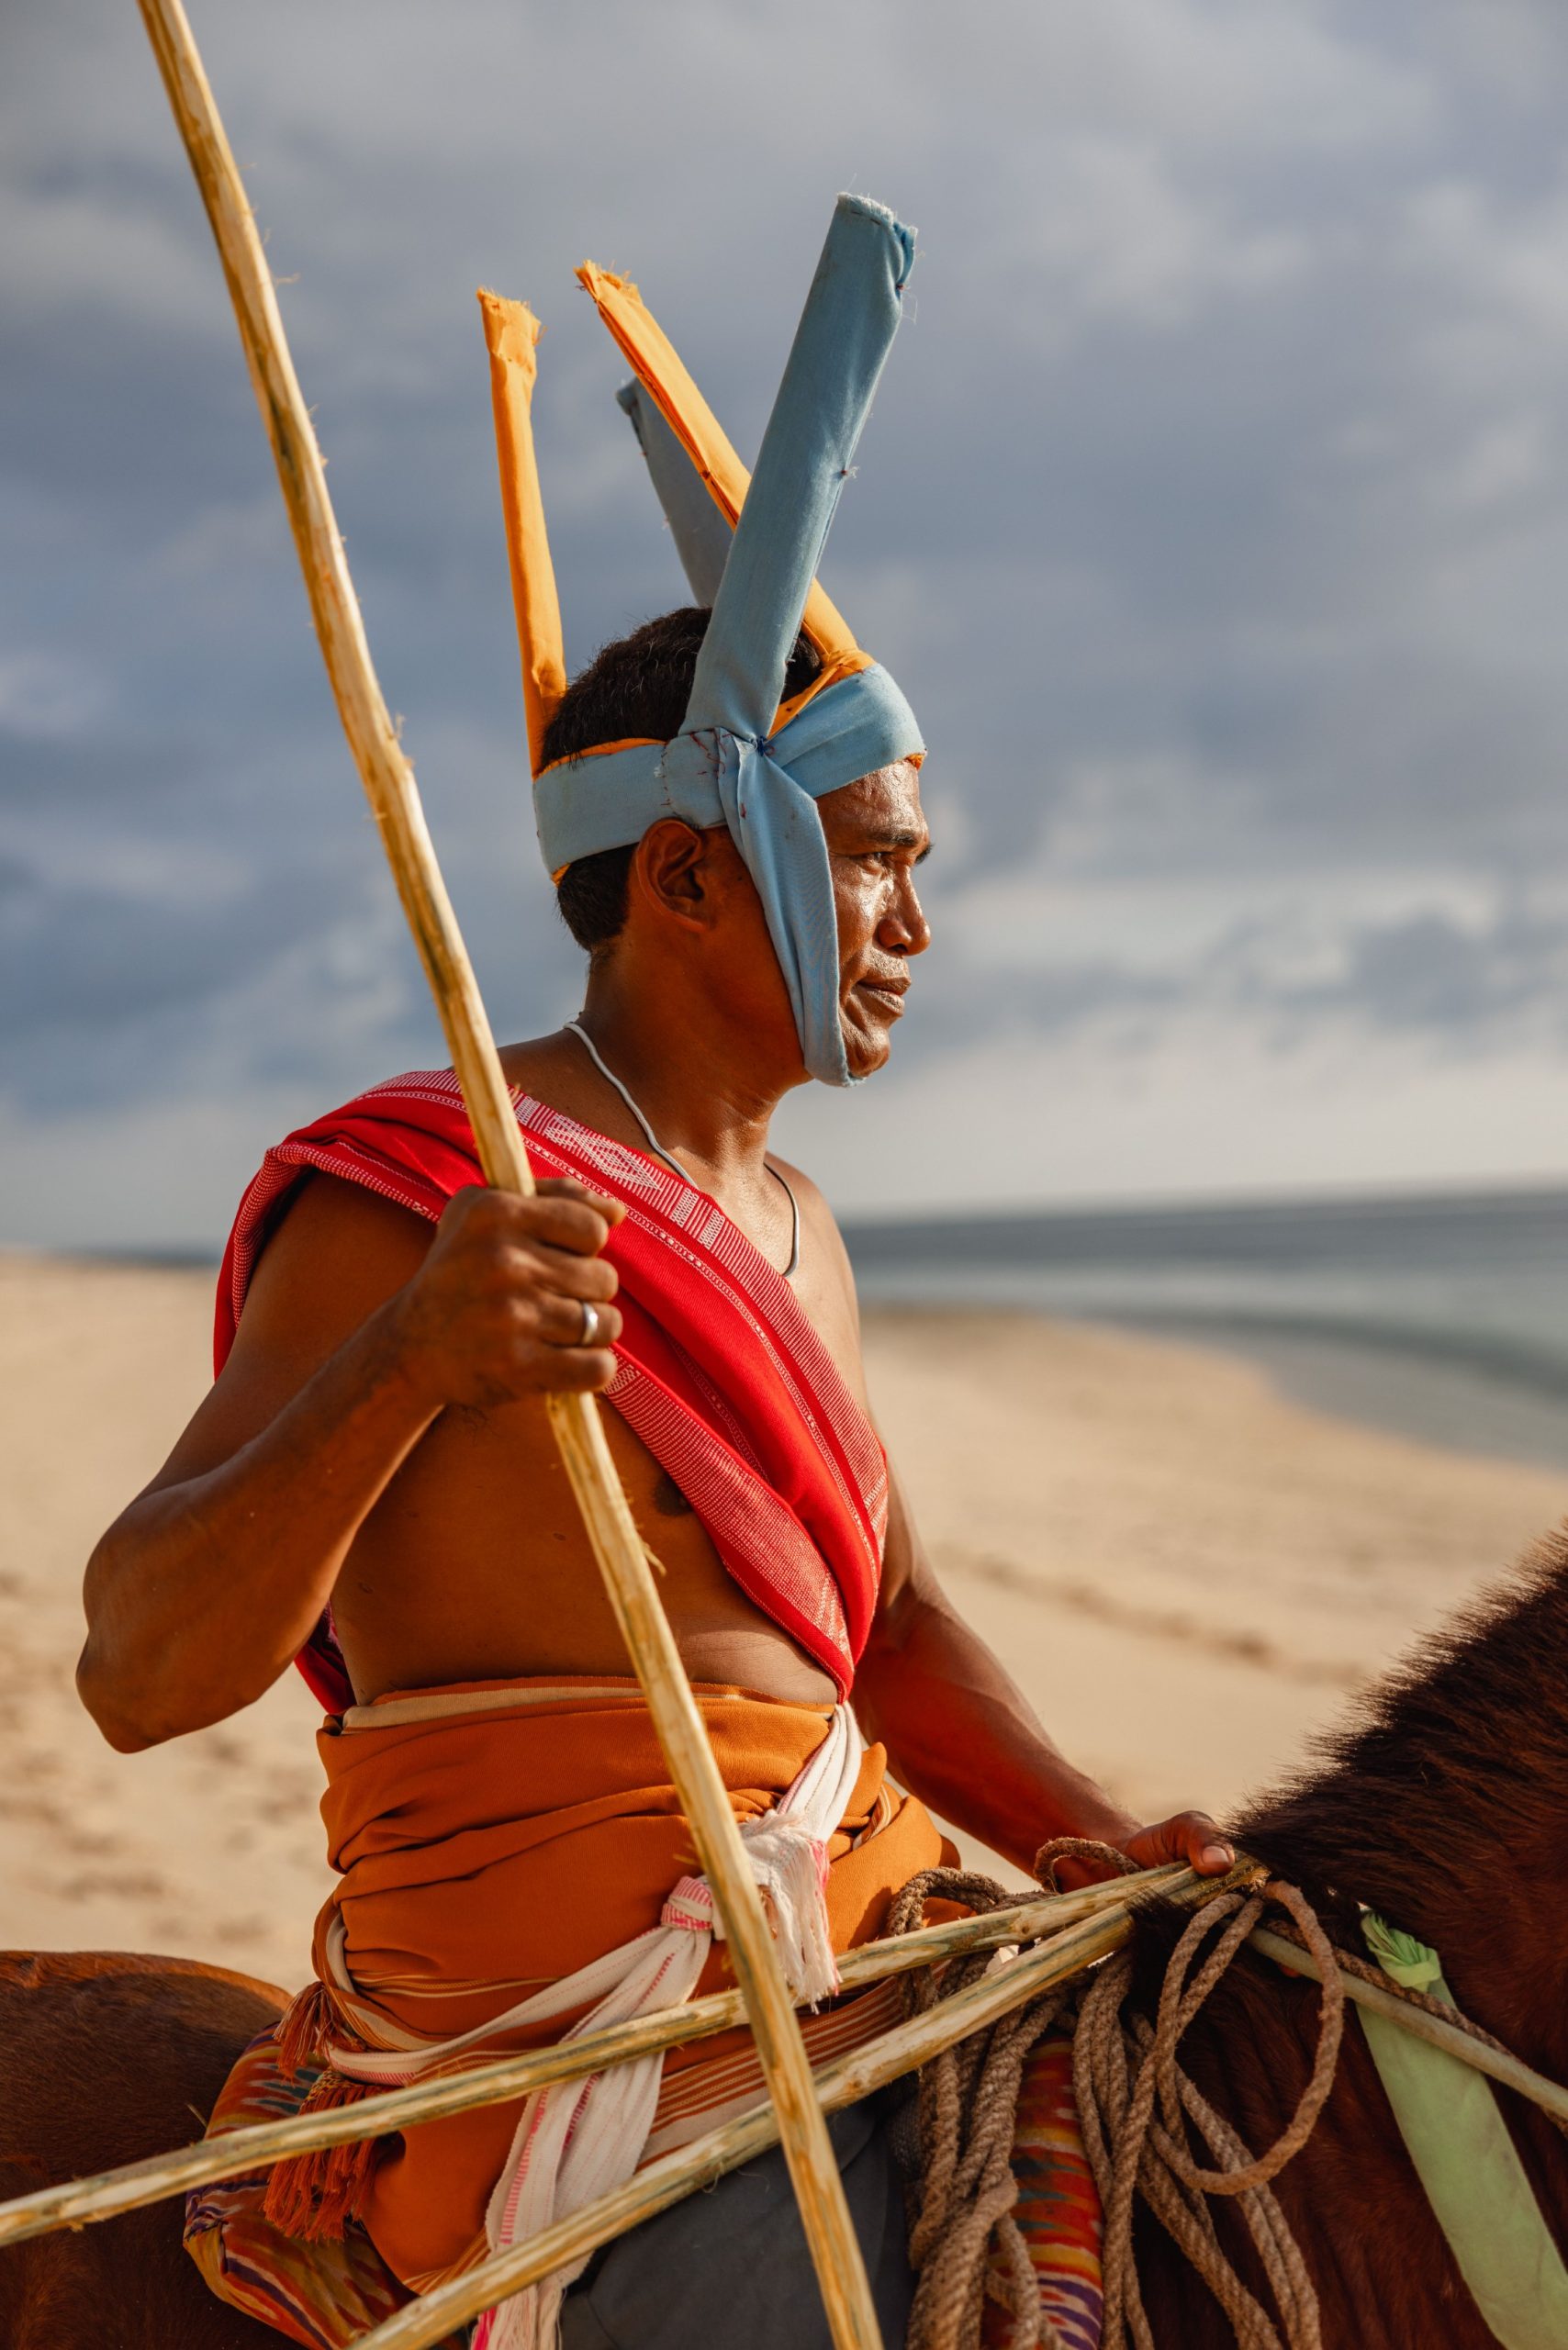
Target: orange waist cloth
494,1837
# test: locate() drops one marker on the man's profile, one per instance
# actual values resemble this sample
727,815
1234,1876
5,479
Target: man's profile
372,1487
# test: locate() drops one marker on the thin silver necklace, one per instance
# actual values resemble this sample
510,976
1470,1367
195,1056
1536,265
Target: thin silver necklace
576,1028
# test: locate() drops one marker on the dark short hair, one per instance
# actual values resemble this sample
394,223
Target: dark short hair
636,688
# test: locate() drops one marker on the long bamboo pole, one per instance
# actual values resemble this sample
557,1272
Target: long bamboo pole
76,2202
434,2315
104,2195
389,784
1498,2064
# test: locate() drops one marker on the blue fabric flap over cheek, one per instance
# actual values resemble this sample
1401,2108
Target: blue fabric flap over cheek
779,833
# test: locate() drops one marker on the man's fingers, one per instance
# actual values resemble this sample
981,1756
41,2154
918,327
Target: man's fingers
562,1323
556,1270
1201,1846
509,1293
1189,1836
579,1370
581,1226
566,1188
562,1215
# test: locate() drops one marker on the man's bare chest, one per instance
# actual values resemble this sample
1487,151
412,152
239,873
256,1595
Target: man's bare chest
474,1565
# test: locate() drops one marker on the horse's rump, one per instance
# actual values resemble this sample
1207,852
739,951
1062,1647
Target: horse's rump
105,2057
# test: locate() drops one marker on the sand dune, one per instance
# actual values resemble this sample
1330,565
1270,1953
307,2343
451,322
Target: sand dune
1187,1573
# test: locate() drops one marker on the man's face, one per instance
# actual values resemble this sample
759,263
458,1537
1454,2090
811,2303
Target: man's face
876,836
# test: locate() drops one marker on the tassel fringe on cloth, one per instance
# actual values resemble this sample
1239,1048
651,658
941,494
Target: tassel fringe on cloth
577,2140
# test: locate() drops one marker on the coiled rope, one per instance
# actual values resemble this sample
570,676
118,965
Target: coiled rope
968,2104
1138,2111
1140,2115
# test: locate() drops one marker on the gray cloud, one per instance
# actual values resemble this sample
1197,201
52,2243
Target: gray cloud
1432,974
1215,512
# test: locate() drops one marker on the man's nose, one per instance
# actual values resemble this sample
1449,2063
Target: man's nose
904,929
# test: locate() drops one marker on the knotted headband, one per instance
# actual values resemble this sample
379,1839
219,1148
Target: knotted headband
740,759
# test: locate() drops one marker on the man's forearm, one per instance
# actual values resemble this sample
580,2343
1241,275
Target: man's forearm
963,1738
201,1593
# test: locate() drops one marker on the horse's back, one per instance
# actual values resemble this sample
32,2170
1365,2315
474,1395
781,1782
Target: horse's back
106,2056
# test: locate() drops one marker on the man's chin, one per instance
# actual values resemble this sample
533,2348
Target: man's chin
867,1051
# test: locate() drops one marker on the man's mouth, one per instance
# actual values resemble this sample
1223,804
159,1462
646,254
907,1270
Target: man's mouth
887,993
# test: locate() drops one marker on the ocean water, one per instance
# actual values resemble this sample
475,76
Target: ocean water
1439,1316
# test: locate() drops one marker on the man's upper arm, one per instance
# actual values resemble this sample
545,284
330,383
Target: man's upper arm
340,1253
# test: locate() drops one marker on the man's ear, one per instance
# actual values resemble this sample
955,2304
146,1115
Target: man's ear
671,869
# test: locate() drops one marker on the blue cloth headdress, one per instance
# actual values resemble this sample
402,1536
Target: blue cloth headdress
740,759
701,533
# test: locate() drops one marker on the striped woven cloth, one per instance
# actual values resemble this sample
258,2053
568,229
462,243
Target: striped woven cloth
325,2296
1058,2205
321,2295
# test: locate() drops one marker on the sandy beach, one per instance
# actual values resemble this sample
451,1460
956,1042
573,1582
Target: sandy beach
1187,1573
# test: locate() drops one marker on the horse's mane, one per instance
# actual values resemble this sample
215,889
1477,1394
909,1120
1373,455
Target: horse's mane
1442,1801
1451,1774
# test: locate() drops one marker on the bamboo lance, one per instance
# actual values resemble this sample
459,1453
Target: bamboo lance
103,2195
389,784
1497,2063
77,2202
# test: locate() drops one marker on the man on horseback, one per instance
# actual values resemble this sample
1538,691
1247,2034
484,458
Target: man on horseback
730,803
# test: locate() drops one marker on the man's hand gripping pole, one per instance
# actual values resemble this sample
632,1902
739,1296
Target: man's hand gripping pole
389,784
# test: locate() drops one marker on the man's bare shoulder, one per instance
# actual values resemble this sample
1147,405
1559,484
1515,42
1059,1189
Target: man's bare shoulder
825,1283
341,1249
339,1254
816,1216
556,1071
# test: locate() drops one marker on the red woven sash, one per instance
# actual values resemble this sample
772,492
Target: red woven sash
718,1370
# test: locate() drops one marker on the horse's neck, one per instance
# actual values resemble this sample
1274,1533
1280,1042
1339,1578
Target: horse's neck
1446,1809
1500,1941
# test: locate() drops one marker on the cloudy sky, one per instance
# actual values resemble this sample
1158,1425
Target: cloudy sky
1214,515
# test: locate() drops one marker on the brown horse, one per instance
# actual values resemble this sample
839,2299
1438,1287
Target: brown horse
104,2058
1445,1807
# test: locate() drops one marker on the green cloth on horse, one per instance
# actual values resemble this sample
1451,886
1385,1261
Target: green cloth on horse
1457,2139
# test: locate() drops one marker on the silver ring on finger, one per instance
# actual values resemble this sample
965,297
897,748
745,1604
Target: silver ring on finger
588,1335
